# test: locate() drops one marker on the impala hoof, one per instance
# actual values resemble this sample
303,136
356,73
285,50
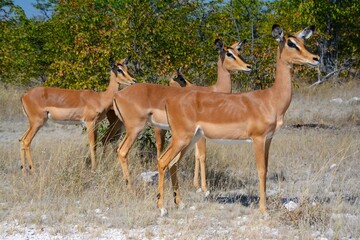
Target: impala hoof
199,190
207,193
163,212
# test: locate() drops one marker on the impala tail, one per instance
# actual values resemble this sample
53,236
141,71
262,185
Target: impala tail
117,110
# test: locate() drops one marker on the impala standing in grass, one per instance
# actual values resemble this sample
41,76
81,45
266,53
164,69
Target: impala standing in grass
251,116
64,105
177,79
141,103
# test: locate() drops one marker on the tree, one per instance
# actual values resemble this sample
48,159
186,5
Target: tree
70,45
338,37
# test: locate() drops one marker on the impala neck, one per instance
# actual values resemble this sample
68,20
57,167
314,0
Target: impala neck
111,89
282,85
223,83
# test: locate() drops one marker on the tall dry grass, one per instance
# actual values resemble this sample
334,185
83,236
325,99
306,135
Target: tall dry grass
316,168
10,107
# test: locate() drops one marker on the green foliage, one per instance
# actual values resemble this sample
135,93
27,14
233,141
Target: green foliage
71,44
337,27
20,48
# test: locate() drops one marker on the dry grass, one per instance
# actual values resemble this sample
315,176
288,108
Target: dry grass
315,167
10,107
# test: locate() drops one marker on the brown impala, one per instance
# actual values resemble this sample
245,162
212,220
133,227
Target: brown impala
141,103
64,105
177,79
252,116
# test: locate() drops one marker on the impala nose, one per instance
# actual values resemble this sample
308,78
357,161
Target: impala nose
316,60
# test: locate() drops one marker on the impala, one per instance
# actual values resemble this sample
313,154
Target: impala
251,116
141,103
68,106
177,79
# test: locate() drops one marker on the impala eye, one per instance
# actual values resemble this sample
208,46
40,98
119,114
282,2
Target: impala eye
121,71
292,45
229,54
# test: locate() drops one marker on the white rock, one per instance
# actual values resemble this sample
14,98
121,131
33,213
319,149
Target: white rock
336,100
330,233
149,177
43,217
291,206
354,100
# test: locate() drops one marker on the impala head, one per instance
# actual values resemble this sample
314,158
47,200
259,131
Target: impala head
230,56
120,70
177,78
292,47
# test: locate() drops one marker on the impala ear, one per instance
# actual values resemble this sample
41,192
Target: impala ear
240,45
179,78
112,63
219,45
179,70
125,61
306,32
277,33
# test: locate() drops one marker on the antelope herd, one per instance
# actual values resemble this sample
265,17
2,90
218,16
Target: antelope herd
192,113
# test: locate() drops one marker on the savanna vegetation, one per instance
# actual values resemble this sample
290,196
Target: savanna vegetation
70,44
312,188
313,173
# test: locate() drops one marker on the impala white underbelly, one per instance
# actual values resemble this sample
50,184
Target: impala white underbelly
241,140
230,141
65,122
161,125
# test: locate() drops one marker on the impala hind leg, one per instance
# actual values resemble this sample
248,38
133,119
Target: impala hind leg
173,166
159,140
175,186
25,142
122,153
175,148
22,151
261,149
114,129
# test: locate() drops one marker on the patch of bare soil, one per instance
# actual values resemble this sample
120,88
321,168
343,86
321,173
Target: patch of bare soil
11,131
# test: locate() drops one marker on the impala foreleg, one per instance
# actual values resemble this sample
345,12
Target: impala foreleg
91,130
261,149
200,157
175,186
